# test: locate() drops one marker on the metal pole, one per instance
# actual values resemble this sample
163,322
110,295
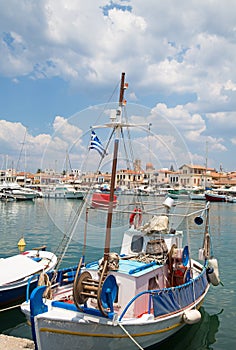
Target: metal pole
111,199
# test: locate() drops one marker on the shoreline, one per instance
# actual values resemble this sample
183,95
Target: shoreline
8,342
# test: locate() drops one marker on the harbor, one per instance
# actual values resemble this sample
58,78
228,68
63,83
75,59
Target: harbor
143,263
117,196
39,223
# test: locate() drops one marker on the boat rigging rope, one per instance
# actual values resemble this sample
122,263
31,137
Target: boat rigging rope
63,246
130,336
44,281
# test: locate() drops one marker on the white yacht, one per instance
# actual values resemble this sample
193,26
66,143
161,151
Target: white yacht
63,191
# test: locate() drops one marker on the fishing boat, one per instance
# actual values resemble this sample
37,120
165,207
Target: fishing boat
22,270
219,196
101,200
215,197
140,296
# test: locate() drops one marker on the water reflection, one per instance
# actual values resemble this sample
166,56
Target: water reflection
195,337
10,319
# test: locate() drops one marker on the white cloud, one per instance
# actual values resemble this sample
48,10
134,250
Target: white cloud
233,140
66,130
230,86
222,124
190,126
32,152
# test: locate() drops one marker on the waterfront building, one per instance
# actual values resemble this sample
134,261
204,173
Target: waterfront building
187,176
129,178
195,176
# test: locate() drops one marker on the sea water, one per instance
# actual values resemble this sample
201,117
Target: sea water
50,222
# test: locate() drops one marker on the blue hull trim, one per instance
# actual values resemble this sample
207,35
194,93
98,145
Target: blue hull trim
11,297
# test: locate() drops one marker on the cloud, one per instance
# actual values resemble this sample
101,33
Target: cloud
11,134
222,124
189,125
66,130
28,152
171,55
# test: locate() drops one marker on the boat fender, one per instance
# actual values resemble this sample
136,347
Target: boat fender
132,221
191,316
213,272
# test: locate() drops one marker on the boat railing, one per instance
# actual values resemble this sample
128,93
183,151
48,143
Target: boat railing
172,299
28,285
58,278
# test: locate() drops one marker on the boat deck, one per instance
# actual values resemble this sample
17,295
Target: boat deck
129,267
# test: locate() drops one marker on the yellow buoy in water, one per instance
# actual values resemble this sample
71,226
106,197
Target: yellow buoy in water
21,244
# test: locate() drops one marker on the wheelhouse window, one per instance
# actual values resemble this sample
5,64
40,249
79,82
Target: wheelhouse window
137,244
153,283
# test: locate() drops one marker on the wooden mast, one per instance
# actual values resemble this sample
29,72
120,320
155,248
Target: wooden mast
113,177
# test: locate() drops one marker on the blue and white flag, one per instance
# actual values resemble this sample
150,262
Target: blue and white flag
96,144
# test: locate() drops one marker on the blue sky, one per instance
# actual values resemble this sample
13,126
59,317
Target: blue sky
60,58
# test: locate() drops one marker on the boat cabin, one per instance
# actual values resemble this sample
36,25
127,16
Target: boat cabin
142,266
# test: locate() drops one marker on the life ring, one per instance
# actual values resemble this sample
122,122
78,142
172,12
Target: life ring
138,222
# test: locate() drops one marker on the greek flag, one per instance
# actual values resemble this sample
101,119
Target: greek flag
96,144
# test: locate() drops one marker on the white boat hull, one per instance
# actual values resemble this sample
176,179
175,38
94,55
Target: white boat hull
68,195
63,326
20,270
75,330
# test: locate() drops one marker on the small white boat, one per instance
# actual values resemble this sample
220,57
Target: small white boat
138,297
18,270
197,194
13,191
178,194
63,191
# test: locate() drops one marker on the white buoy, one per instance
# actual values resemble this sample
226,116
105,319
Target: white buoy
168,203
213,275
201,254
191,316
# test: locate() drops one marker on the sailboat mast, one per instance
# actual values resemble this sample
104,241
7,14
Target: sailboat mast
122,89
111,198
113,179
